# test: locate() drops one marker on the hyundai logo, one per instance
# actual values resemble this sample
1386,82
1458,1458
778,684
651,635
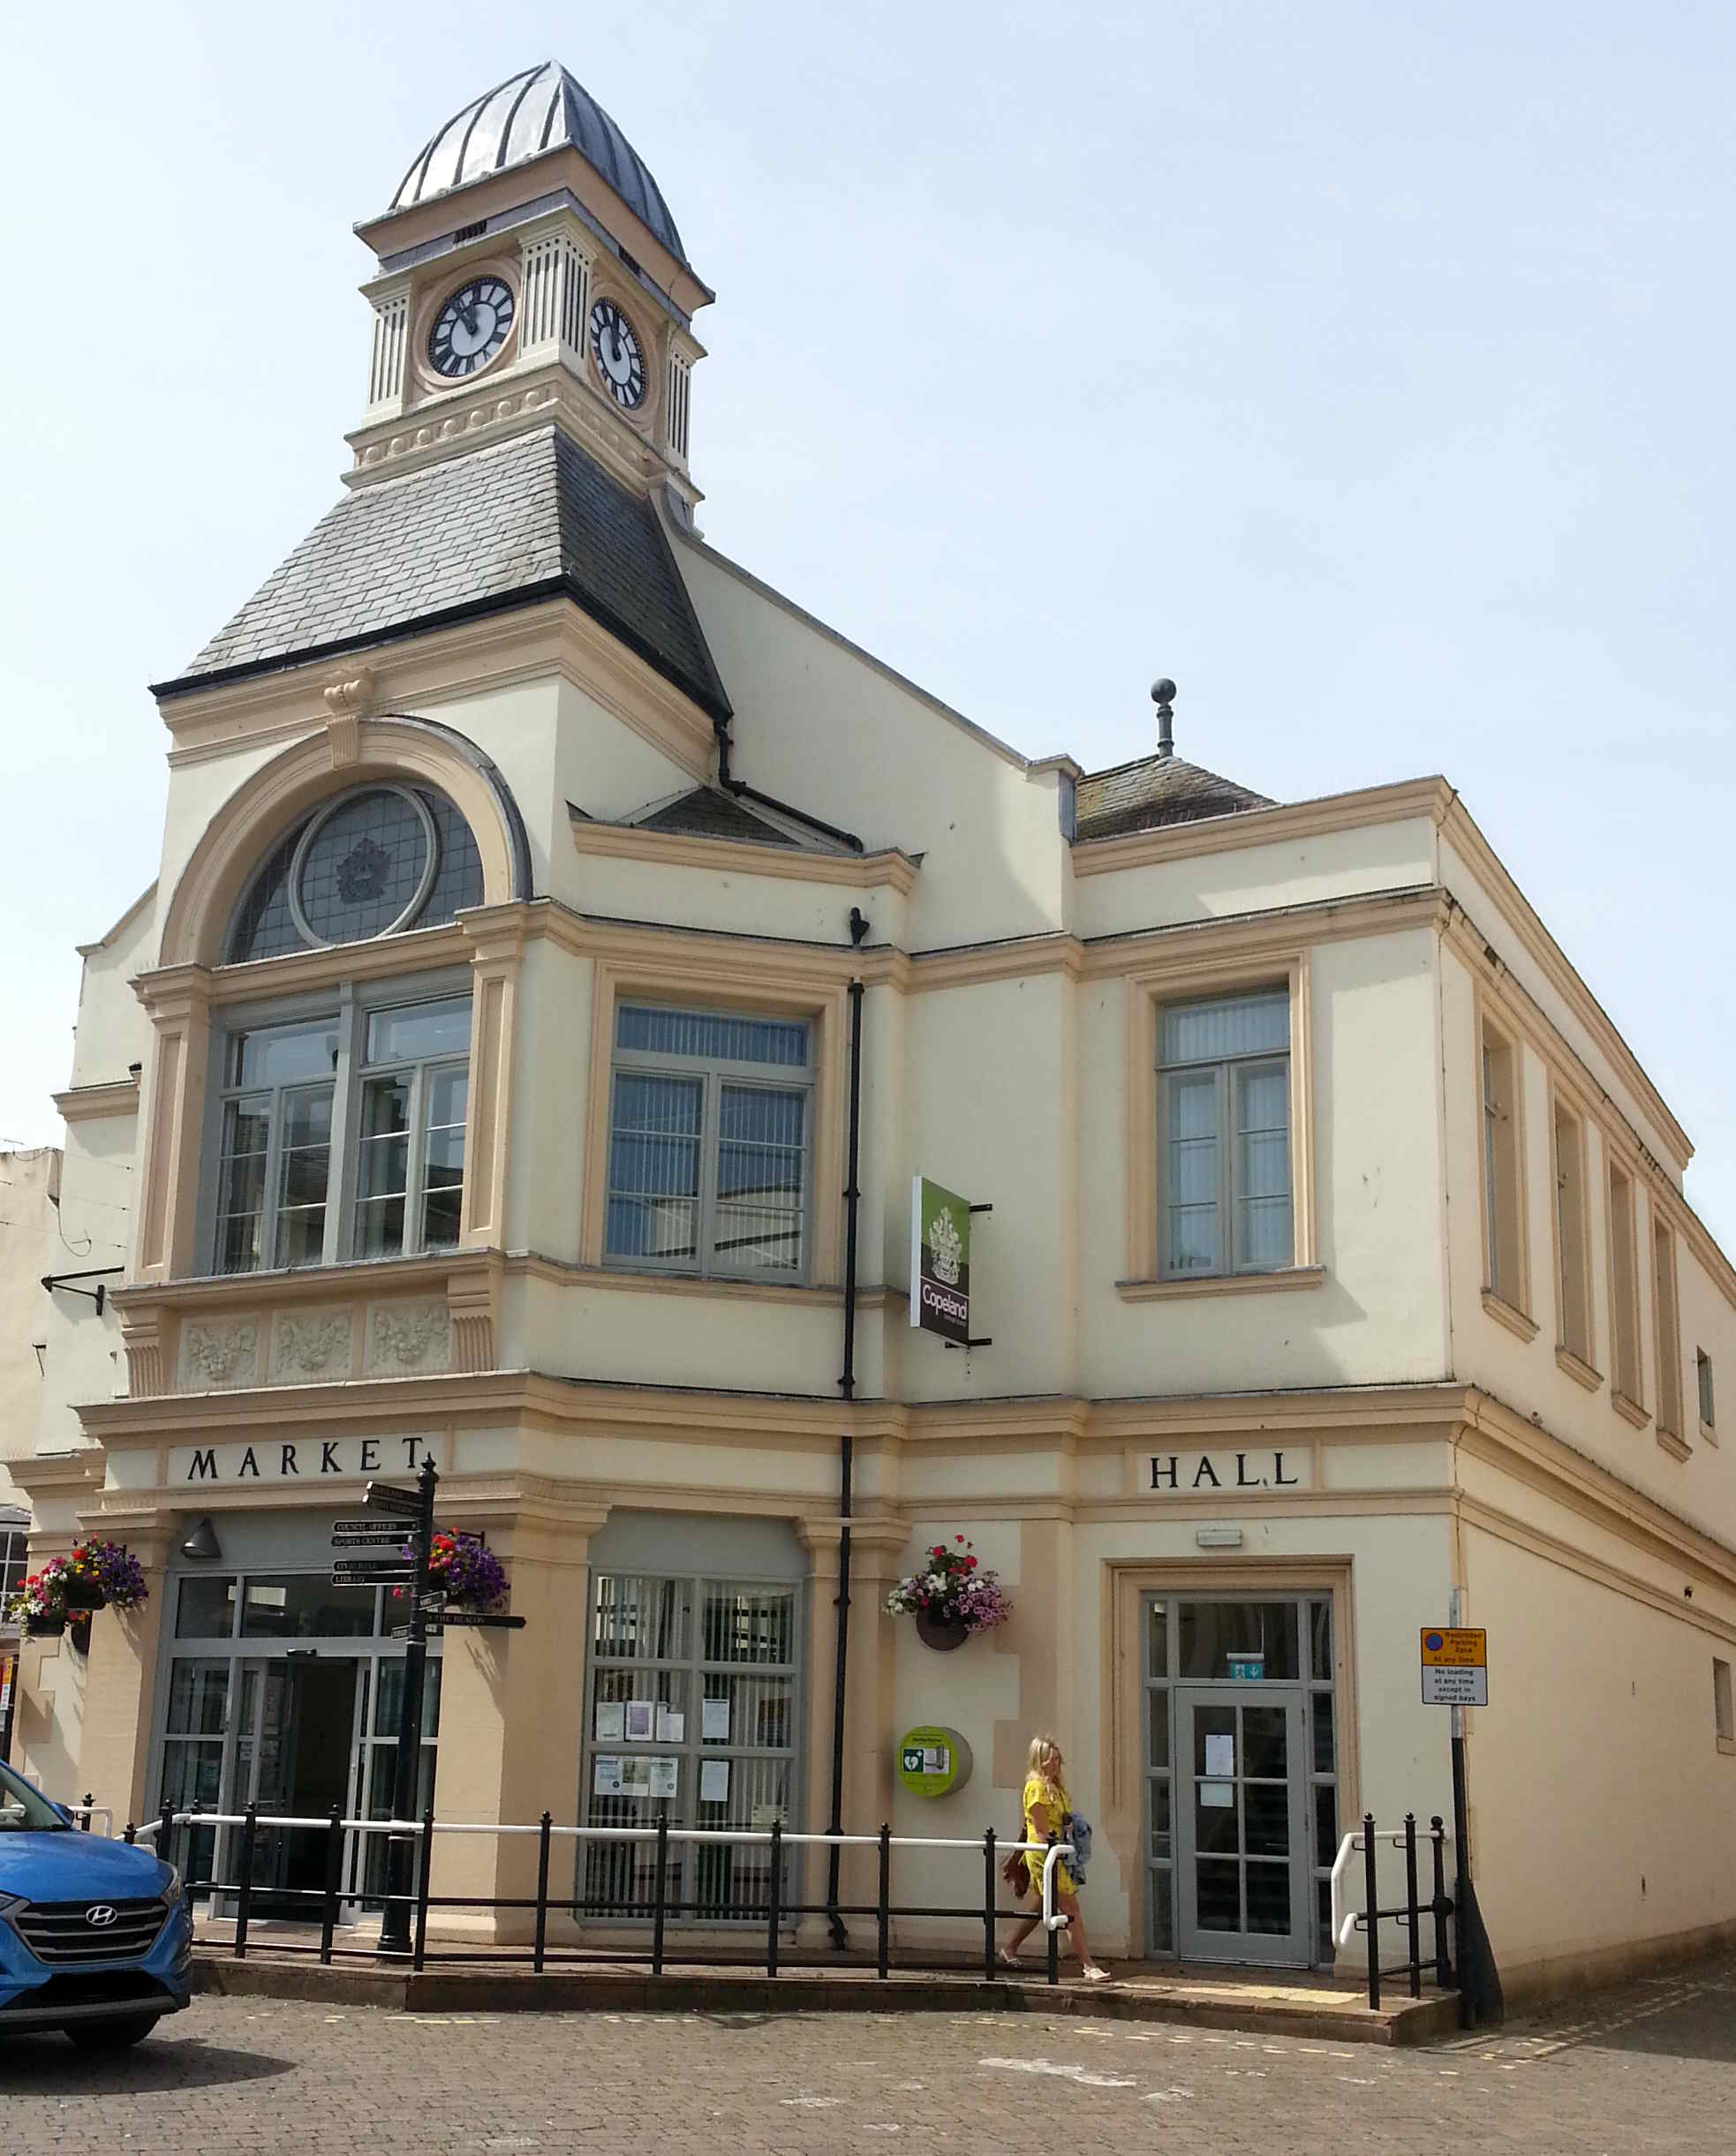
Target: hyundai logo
104,1913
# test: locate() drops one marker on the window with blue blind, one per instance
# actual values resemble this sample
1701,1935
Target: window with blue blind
709,1134
1224,1135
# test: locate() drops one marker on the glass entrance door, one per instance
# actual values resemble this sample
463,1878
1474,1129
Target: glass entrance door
1242,1843
294,1753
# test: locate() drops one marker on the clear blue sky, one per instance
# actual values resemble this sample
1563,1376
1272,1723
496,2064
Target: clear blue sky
1364,367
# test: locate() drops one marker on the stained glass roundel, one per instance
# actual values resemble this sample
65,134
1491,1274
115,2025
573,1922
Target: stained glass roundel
364,867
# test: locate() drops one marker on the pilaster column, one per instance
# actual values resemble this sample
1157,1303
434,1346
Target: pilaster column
120,1679
178,1001
496,937
511,1716
876,1543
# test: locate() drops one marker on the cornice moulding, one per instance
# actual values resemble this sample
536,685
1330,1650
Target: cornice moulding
887,867
416,671
1253,827
112,1096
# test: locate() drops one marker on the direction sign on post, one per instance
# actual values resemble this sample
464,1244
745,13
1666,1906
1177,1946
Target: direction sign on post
1455,1666
360,1571
480,1620
367,1534
402,1504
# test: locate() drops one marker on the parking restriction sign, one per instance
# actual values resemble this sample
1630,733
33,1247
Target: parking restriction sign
1455,1666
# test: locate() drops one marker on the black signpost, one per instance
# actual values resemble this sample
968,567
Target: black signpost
401,1848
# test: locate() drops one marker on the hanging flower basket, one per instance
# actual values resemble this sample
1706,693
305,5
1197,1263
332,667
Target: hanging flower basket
464,1569
951,1597
93,1576
44,1627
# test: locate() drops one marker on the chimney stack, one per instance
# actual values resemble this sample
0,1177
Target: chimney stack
1163,695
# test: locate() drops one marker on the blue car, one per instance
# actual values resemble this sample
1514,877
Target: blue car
96,1937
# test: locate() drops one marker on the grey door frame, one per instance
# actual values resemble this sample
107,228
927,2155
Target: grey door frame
1294,1950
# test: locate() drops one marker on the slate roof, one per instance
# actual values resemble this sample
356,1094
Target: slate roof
705,813
530,519
1154,791
537,110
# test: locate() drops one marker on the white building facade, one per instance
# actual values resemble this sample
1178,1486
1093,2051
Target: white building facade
532,876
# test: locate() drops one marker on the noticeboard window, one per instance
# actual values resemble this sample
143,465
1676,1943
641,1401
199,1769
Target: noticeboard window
693,1712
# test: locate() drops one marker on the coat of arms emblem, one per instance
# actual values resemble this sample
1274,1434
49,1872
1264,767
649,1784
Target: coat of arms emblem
946,1246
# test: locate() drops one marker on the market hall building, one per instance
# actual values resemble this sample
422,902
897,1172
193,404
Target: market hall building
539,891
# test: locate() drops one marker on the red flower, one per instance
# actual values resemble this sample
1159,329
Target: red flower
958,1538
971,1564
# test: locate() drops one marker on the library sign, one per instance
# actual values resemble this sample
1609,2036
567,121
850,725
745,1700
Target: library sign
294,1461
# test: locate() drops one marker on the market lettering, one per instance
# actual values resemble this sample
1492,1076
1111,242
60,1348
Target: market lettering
1180,1472
293,1459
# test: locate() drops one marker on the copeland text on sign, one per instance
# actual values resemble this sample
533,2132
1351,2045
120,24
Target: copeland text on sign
1455,1666
940,1261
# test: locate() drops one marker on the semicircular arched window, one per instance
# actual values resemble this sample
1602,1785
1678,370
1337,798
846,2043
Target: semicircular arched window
374,862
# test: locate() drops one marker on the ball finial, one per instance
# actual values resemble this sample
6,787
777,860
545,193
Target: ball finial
1163,691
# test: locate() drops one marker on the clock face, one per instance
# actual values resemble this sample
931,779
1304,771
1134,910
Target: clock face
470,329
615,349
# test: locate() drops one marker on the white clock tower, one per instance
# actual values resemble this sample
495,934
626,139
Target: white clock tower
530,274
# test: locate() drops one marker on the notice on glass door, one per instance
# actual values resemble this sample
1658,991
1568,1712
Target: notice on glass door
714,1782
1216,1795
641,1720
611,1722
664,1773
1220,1755
605,1777
715,1721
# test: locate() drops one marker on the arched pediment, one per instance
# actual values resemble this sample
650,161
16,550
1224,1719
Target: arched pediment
391,748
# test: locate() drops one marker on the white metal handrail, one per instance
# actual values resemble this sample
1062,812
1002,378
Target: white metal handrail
1052,1852
1347,1922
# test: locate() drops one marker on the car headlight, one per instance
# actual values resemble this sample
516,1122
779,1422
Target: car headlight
171,1891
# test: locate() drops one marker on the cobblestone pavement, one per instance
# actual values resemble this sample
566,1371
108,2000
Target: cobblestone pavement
1651,2067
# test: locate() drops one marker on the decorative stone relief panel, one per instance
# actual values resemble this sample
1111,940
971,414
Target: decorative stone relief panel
219,1355
310,1346
406,1339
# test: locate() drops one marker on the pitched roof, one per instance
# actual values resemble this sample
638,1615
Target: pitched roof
1153,791
529,519
705,813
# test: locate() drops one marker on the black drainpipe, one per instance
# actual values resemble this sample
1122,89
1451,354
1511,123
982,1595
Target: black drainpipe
846,1457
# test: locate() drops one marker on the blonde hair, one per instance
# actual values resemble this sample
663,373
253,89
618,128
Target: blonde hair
1041,1748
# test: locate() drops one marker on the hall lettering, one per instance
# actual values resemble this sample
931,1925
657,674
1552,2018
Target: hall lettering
1167,1473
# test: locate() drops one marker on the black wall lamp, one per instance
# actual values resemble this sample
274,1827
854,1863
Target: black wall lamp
202,1544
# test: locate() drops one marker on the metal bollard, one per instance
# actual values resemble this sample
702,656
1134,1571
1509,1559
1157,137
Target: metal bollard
424,1873
1054,1940
660,1893
130,1836
774,1888
1412,1917
244,1891
883,1909
333,1866
988,1906
90,1798
166,1832
1443,1965
1372,1890
542,1893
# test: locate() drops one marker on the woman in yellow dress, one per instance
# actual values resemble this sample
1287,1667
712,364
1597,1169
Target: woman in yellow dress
1047,1808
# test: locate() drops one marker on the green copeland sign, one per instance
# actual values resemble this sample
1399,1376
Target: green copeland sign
940,1261
933,1762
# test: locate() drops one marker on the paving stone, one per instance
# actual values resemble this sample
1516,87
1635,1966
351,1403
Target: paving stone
1650,2066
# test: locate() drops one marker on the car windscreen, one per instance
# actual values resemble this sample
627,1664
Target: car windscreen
24,1810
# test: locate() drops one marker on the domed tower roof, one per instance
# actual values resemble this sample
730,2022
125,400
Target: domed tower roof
540,108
